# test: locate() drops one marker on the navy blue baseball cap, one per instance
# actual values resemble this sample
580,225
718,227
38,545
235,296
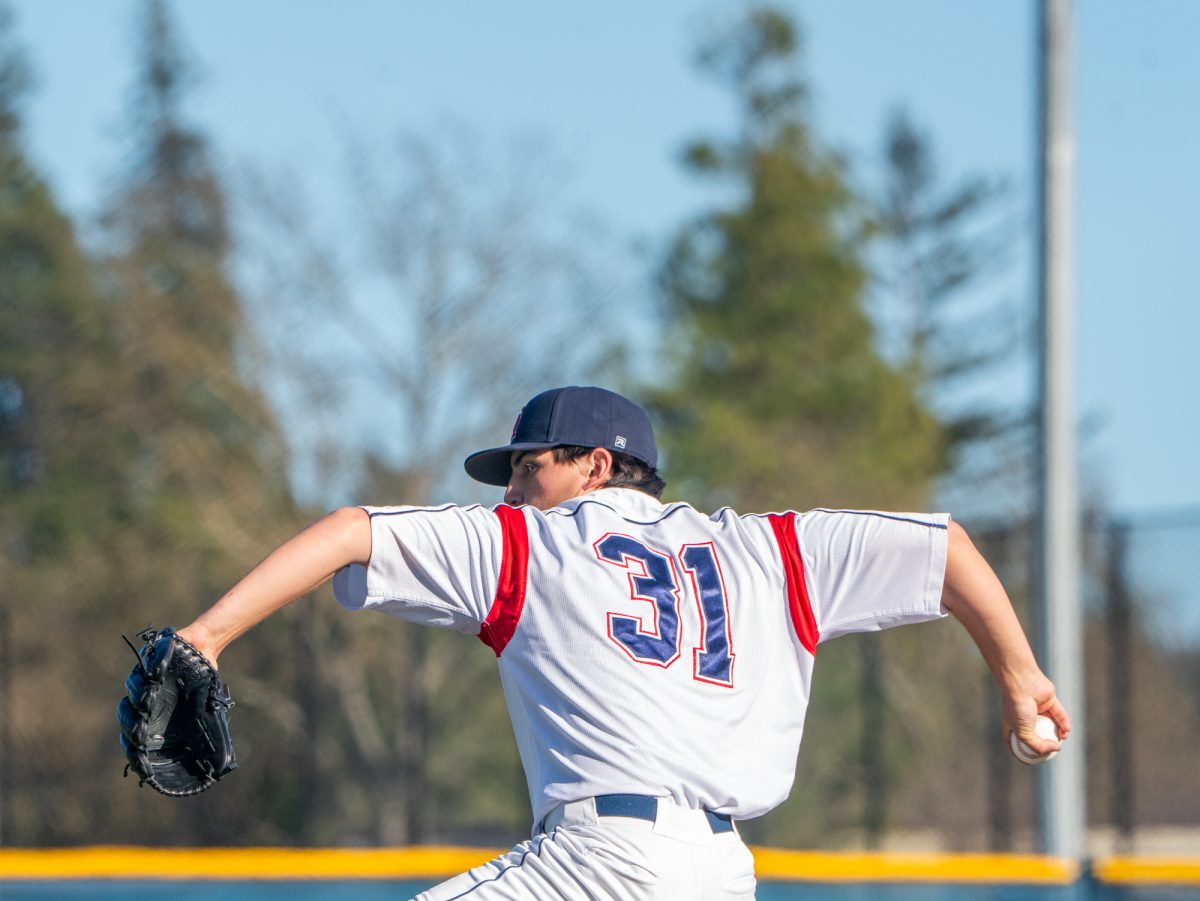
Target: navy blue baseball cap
588,417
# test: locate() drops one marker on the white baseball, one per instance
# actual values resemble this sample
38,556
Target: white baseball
1045,729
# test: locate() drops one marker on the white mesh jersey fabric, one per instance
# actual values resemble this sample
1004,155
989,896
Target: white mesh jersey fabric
656,652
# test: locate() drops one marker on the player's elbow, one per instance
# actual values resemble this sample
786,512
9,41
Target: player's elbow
351,527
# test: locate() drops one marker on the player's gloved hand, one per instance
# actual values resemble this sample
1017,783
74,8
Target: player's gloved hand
175,717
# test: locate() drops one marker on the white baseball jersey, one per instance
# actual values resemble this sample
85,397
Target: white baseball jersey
648,648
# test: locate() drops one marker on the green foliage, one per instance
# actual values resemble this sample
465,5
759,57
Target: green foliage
141,476
15,77
779,396
206,468
57,447
60,482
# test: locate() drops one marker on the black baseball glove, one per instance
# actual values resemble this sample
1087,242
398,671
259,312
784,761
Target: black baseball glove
175,717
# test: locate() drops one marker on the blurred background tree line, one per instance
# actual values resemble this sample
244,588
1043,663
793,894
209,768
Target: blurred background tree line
192,387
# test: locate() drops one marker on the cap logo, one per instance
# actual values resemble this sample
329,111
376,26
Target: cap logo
620,442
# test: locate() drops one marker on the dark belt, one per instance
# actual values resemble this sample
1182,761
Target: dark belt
645,807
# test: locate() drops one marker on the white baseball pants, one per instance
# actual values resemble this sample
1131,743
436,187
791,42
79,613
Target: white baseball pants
584,857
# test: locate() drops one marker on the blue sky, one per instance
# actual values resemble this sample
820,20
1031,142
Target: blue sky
612,87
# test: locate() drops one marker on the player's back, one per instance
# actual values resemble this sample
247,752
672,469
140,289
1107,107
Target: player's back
655,653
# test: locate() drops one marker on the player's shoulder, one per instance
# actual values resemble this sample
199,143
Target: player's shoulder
435,520
879,518
433,511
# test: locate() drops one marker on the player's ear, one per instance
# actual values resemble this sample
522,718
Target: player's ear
600,467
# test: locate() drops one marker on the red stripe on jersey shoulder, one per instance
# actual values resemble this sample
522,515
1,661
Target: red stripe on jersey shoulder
803,621
502,619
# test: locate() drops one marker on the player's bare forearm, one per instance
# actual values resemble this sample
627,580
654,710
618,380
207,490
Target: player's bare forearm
292,570
974,595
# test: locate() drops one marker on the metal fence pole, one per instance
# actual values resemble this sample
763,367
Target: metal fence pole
1120,681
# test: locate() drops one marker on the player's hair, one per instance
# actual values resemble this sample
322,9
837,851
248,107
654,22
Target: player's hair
628,472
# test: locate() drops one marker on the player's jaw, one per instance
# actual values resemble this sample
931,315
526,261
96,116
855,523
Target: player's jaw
538,480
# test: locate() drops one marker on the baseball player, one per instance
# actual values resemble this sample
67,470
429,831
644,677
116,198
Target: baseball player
657,661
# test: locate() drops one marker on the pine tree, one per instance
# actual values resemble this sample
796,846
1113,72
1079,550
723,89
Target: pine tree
780,395
206,484
61,482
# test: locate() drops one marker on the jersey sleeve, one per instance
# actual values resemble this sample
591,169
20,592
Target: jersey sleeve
435,566
866,570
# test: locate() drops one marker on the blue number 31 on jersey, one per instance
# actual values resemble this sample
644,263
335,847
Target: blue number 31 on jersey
654,577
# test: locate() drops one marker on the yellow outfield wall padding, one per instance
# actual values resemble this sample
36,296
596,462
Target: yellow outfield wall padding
437,862
820,866
109,862
1143,870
